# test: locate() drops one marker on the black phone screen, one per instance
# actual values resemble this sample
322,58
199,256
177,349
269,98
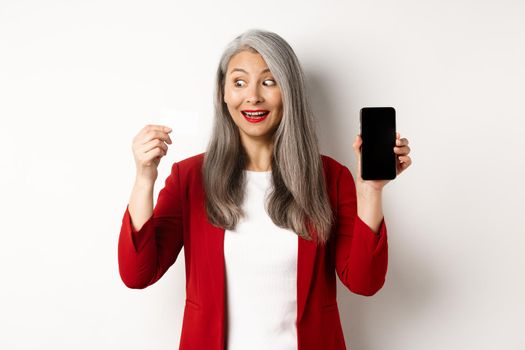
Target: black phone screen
378,132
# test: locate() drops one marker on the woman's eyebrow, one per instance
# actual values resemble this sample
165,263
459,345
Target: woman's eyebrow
242,70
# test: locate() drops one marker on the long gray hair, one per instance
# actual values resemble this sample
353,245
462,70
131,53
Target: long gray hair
298,200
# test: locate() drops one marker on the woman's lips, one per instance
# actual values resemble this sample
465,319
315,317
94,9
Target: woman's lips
255,119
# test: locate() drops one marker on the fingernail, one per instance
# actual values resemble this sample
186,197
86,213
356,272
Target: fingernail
167,128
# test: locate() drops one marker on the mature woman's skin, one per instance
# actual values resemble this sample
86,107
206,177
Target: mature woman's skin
255,88
370,192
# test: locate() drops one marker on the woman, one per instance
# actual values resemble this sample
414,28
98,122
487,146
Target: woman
266,221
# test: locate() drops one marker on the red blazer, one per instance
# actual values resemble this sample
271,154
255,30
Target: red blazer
357,254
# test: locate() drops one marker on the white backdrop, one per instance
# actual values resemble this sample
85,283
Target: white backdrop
79,79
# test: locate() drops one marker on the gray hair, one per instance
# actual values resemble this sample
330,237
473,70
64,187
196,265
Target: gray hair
298,199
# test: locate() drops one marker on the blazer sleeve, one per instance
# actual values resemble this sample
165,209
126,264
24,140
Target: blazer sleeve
361,256
145,255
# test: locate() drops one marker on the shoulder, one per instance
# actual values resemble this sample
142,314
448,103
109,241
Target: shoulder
194,161
335,171
189,167
331,165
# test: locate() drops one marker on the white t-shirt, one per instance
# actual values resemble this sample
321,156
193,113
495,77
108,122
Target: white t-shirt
261,275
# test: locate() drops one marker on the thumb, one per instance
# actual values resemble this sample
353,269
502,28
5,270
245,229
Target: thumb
357,146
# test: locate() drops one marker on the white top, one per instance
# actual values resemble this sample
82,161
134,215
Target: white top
261,275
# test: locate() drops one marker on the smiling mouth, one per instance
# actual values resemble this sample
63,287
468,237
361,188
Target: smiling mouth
252,116
255,118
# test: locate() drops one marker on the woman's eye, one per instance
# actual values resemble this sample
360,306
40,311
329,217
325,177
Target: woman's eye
236,81
240,80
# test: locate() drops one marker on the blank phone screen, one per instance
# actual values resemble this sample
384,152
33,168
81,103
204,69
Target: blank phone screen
378,132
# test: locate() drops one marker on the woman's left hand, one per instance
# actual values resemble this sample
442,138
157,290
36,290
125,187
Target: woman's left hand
403,161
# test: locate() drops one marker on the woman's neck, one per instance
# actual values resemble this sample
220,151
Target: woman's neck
259,155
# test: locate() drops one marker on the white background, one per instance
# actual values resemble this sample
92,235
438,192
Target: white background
78,80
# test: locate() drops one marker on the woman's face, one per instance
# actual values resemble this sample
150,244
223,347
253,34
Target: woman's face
249,87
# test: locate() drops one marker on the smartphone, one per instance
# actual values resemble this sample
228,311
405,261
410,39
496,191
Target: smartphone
378,132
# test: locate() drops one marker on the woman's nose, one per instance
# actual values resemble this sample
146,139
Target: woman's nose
254,95
254,99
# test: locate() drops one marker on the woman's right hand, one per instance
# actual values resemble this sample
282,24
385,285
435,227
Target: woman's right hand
148,147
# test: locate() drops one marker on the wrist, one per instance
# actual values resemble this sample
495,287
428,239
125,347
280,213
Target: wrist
366,191
144,183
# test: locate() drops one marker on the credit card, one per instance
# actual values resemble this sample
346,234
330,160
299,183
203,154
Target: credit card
182,122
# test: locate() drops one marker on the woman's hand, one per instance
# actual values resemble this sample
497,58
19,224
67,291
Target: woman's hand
403,161
148,147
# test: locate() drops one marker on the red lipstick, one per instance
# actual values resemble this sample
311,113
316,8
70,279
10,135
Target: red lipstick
255,116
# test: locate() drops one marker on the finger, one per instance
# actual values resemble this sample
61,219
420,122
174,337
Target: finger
162,148
404,165
405,159
156,134
154,153
402,142
153,127
402,150
357,146
154,144
150,128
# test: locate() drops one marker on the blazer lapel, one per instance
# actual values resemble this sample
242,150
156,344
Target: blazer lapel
307,251
214,250
214,242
